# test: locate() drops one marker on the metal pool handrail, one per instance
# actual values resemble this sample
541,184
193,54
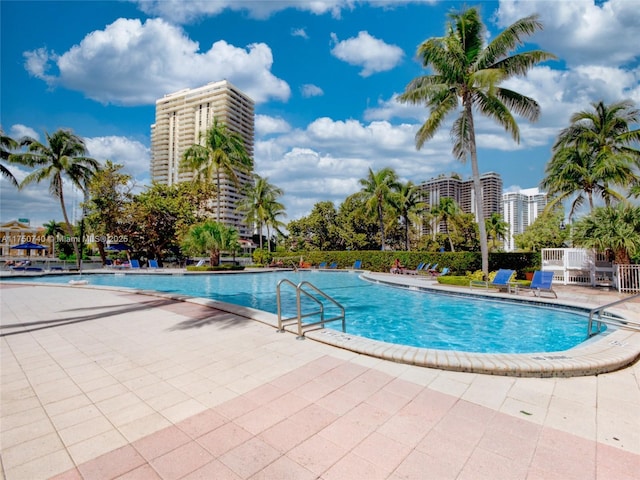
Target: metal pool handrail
604,317
300,290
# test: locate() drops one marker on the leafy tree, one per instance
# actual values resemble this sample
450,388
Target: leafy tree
446,211
545,232
408,203
223,153
7,145
377,192
594,155
496,228
109,193
211,238
53,229
260,205
467,73
156,218
615,228
465,232
356,229
63,155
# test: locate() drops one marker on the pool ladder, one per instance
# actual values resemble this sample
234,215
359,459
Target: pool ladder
600,316
312,292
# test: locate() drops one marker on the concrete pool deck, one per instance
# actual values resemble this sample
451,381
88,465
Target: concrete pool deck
110,384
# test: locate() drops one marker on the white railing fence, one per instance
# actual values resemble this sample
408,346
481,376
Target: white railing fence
579,266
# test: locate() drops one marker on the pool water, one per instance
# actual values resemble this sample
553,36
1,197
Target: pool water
395,315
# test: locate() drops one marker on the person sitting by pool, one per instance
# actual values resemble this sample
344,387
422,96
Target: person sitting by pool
397,266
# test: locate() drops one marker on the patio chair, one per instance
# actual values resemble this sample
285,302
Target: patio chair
322,265
333,265
134,263
501,281
357,265
153,263
416,271
444,272
542,282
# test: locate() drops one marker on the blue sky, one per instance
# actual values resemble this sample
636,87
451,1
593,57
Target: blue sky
324,75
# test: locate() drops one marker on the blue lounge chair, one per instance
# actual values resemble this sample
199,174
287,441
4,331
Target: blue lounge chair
322,265
433,270
501,281
416,271
542,282
333,265
153,263
444,271
357,265
135,263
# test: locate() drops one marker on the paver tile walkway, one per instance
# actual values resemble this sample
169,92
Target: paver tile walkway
99,384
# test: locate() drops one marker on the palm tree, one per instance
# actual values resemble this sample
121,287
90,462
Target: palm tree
614,227
274,210
63,155
445,211
212,238
223,153
377,193
7,144
496,228
260,204
594,155
408,204
466,72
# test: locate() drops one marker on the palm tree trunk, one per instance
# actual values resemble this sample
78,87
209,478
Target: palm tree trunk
381,221
68,226
218,195
484,248
406,233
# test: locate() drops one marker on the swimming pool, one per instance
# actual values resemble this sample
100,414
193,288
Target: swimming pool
379,312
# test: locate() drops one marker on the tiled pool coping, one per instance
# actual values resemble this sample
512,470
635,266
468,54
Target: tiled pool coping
612,350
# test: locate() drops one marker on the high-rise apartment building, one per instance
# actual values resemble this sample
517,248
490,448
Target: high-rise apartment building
520,209
463,193
182,118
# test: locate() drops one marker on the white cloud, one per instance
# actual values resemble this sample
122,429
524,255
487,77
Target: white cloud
266,125
133,155
299,32
366,51
18,131
310,90
581,31
134,63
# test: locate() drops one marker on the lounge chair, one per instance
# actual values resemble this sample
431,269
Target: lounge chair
333,265
134,263
541,282
444,272
153,263
501,281
357,265
433,270
322,265
200,263
416,271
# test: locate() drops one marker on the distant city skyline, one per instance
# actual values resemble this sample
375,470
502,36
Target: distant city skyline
324,77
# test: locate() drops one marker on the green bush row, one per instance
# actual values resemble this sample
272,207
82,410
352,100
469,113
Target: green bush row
208,268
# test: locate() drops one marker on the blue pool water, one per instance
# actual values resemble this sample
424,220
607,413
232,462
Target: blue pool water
395,315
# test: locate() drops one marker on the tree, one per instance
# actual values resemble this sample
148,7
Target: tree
63,155
377,192
260,205
496,228
109,192
446,211
465,71
356,230
212,238
615,228
223,153
594,155
408,204
545,232
53,229
7,145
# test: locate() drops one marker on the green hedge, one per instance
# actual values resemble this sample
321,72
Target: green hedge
458,262
208,268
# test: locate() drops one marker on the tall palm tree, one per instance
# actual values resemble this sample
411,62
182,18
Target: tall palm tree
274,211
496,228
222,152
260,204
63,155
377,193
594,155
7,145
469,73
408,203
446,211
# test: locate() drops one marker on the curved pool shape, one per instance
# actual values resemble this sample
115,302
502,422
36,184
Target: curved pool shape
379,312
